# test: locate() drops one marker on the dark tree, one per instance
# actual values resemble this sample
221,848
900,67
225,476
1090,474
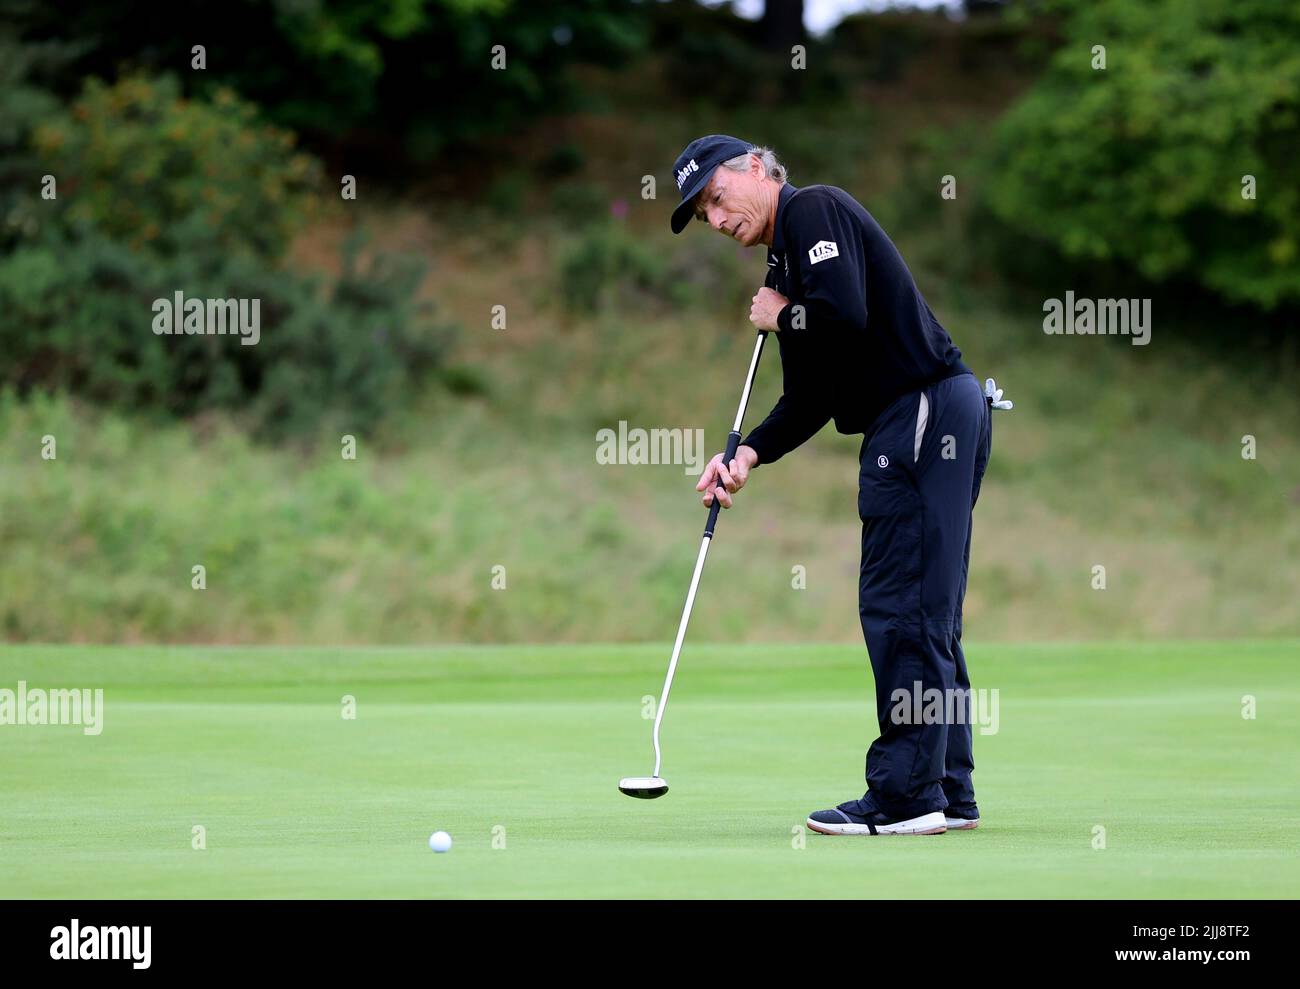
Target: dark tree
977,8
782,24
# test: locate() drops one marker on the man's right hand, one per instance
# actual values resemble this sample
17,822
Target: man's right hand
733,476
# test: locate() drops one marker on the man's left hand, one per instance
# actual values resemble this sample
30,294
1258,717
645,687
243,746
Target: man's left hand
767,305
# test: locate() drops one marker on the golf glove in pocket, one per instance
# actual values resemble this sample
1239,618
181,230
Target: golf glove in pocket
994,394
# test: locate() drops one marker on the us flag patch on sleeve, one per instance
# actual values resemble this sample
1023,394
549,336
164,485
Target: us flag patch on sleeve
822,250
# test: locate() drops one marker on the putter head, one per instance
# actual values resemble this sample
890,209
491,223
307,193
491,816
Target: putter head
644,787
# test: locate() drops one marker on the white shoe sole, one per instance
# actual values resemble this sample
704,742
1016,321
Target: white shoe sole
925,824
961,823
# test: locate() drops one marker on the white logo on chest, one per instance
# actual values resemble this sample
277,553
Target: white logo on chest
822,250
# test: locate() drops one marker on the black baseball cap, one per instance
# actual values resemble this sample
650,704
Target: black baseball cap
695,166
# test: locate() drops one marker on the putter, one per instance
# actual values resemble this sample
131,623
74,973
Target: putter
649,787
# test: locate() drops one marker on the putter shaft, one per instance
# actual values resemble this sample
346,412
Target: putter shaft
733,442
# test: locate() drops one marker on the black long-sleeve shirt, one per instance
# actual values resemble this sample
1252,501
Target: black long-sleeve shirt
857,334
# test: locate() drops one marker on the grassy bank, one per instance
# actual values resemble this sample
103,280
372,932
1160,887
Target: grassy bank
1123,457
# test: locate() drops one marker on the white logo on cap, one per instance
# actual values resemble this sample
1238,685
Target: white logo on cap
686,171
822,250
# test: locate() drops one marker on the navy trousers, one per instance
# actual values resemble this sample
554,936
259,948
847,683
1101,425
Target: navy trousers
921,467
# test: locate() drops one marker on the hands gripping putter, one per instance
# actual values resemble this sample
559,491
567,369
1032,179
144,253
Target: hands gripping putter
649,787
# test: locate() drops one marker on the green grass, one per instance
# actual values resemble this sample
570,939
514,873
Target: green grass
1146,741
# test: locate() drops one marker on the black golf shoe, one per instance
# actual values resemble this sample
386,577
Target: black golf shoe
961,818
846,819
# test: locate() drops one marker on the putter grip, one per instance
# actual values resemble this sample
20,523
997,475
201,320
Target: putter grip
733,443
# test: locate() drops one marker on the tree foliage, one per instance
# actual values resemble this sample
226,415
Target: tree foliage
158,194
410,76
1142,163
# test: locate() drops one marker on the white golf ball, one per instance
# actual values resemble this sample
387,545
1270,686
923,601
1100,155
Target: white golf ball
440,841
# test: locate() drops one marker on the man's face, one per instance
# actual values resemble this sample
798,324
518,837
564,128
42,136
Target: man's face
736,203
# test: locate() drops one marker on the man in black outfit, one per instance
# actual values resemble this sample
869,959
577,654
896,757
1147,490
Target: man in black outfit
860,345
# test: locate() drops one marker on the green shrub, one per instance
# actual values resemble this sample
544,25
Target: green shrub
1141,164
156,172
606,266
158,195
23,105
80,319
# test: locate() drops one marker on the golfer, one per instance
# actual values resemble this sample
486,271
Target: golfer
859,345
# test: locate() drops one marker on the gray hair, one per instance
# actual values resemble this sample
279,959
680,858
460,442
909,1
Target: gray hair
774,169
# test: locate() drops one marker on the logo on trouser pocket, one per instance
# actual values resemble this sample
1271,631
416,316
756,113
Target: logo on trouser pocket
882,461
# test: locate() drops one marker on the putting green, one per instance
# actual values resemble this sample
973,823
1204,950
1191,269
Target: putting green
517,752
